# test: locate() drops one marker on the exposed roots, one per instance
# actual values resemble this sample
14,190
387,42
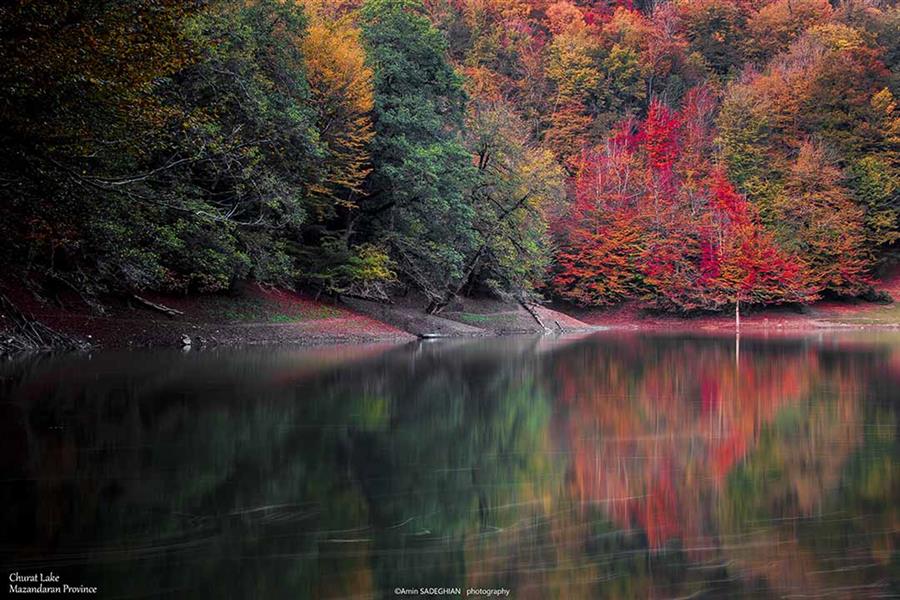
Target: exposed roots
30,335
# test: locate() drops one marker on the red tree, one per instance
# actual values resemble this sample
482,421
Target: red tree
749,266
653,220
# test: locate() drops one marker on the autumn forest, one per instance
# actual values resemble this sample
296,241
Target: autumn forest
686,155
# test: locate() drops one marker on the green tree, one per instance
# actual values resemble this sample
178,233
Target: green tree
818,220
518,185
716,30
876,186
249,136
419,185
180,153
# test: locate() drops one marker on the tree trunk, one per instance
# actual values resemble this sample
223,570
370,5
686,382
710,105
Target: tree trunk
439,304
535,316
737,314
166,310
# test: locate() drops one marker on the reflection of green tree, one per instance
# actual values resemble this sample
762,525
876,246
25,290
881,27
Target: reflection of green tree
794,463
822,488
466,455
214,481
198,476
862,517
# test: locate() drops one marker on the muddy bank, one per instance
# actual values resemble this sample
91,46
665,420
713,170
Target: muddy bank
253,316
821,316
471,317
257,315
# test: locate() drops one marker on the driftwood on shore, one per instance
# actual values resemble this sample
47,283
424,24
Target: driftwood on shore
27,334
171,312
535,315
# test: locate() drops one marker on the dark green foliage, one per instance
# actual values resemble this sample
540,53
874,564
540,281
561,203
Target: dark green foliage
246,128
173,157
421,171
716,31
364,270
77,128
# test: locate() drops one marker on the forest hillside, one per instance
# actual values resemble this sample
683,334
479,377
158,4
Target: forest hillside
684,155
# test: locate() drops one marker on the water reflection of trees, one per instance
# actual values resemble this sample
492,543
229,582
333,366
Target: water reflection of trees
653,435
724,460
244,477
614,467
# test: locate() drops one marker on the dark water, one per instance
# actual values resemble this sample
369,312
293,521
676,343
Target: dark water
614,466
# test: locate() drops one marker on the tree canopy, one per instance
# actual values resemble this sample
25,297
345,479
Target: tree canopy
683,155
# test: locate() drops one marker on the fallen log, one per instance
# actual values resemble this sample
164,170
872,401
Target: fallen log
535,316
171,312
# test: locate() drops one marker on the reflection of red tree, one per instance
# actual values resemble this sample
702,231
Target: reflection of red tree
658,513
652,430
727,453
654,444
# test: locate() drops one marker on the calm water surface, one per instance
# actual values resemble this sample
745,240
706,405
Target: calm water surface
610,466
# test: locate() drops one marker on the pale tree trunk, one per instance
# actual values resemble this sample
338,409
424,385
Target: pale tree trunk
535,316
737,337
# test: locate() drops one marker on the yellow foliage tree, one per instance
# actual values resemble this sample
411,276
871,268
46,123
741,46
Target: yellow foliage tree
342,94
779,23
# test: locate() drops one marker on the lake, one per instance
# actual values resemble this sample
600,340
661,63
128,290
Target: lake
617,465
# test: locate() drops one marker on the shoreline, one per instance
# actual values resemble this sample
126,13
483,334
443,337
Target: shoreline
259,316
258,335
255,316
799,326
